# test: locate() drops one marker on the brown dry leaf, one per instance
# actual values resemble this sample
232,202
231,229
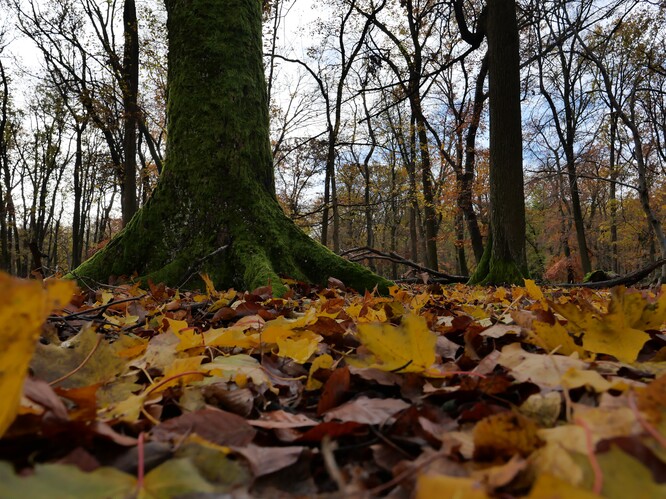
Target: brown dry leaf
265,460
367,410
214,425
282,419
504,435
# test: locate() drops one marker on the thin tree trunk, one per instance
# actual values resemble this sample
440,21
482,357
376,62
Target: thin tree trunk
130,118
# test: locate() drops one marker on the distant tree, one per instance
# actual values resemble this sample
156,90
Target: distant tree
214,208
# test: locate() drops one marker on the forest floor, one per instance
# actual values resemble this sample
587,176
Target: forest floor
430,392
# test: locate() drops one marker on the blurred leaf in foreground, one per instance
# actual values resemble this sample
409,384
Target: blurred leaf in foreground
24,305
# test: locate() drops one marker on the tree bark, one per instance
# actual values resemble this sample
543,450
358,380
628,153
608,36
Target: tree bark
504,259
214,209
130,93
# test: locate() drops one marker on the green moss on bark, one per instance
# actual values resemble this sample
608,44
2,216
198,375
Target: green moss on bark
214,209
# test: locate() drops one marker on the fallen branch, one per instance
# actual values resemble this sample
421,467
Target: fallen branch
366,252
626,280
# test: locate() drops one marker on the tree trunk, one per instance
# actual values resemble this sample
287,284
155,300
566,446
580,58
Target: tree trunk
429,202
466,180
130,93
77,219
504,259
214,209
612,199
5,197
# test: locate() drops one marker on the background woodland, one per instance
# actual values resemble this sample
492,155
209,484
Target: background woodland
378,122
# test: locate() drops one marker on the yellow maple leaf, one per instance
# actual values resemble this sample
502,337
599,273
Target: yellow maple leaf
300,348
535,293
409,347
553,337
615,332
176,371
188,338
231,337
281,327
24,305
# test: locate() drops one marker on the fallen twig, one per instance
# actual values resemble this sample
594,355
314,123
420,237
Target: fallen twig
366,252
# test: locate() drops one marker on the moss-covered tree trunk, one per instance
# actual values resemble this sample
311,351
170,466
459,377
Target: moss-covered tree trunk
214,208
504,260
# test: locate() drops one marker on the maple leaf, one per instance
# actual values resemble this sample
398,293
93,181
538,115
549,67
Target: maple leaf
615,332
409,347
24,305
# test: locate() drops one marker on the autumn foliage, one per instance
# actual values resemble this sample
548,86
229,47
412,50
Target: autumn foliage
428,392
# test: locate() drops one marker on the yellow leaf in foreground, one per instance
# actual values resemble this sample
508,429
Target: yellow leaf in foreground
550,487
439,486
614,333
409,347
24,305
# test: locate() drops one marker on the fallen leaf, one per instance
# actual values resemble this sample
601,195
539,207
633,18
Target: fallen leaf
548,486
266,460
367,410
24,305
614,333
504,435
440,486
214,425
409,347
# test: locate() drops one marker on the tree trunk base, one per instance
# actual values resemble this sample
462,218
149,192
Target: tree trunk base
254,249
492,271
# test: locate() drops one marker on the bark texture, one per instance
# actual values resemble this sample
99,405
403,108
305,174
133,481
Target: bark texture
504,261
214,209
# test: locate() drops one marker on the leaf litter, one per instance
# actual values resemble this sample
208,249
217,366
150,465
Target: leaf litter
428,392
